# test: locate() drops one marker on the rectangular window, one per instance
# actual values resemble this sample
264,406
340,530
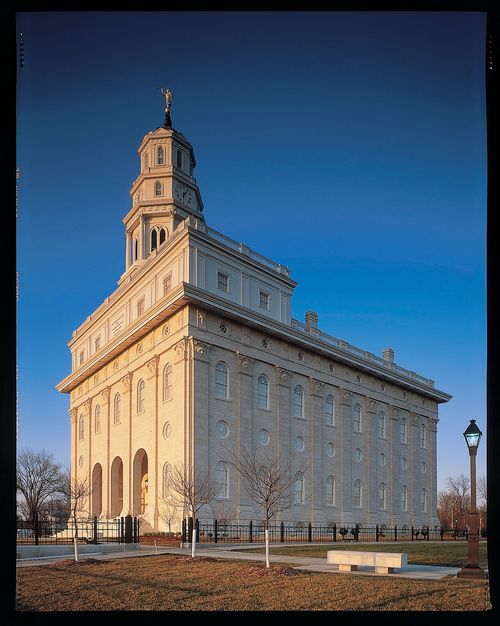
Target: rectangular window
223,282
167,284
140,307
264,300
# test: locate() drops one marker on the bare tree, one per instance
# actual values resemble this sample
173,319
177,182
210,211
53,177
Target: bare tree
77,493
38,480
269,483
191,489
482,488
168,512
459,489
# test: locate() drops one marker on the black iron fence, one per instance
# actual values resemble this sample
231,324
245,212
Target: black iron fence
93,530
223,532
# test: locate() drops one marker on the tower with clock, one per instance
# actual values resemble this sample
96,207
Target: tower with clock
164,193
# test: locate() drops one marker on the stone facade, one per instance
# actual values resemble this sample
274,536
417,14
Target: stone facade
197,347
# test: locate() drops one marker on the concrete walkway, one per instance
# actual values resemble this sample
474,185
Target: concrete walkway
312,564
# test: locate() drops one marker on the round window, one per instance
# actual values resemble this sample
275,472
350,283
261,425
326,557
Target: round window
222,429
263,437
299,444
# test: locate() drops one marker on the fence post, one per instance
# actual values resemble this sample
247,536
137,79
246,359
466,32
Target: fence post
250,532
215,531
376,532
198,531
441,532
282,532
334,532
395,532
309,533
94,530
122,530
412,532
190,529
136,529
428,533
183,539
36,529
128,529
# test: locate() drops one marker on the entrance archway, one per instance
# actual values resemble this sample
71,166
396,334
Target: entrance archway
140,471
116,487
96,508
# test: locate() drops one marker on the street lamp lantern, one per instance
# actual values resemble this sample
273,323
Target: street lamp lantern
472,436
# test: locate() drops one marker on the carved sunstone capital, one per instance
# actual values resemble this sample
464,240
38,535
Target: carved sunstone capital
152,366
73,414
316,386
371,404
283,376
433,424
201,349
345,396
245,363
105,394
180,348
127,381
88,405
394,413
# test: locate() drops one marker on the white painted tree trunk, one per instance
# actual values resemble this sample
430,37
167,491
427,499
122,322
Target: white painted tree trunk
75,544
266,534
193,542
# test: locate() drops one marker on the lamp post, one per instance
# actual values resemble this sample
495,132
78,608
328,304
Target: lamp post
472,570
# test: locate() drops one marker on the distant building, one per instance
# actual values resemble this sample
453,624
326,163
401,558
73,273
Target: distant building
198,345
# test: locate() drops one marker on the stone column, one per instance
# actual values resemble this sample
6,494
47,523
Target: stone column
346,493
127,463
394,497
152,376
315,451
244,428
201,392
283,418
370,462
186,405
106,398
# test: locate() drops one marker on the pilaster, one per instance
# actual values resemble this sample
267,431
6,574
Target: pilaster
346,493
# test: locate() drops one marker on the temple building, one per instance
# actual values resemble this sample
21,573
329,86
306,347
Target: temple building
197,345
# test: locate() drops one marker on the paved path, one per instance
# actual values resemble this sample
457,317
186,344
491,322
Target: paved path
312,564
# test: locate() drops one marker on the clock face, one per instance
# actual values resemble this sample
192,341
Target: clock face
183,194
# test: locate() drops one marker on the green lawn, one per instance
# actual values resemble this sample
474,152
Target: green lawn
446,553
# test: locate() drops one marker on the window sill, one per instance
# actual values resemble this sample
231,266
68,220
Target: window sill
223,399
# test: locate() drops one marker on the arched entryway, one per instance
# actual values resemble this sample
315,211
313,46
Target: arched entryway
116,487
140,470
96,490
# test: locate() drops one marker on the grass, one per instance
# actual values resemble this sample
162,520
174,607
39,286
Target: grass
446,553
171,582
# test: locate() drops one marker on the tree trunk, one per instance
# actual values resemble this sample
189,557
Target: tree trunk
266,533
193,542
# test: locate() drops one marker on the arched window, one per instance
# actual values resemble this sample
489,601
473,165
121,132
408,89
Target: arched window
356,418
404,498
167,382
358,494
298,401
97,419
263,392
423,501
381,496
158,188
146,161
403,431
221,380
222,479
423,436
141,386
154,239
330,410
81,428
117,409
160,156
381,425
163,235
330,491
136,249
179,158
299,495
165,487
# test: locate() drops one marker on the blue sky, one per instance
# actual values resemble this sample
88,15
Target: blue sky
349,146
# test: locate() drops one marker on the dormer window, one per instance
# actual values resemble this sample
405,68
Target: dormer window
158,188
160,155
179,158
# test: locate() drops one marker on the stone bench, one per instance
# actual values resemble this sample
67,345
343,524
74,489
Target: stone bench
383,562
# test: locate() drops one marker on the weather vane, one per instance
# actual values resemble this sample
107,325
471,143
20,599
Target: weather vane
168,100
